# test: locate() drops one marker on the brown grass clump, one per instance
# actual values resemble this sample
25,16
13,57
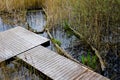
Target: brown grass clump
96,20
57,11
11,5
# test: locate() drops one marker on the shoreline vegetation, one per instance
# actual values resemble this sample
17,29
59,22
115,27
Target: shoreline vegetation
96,20
16,5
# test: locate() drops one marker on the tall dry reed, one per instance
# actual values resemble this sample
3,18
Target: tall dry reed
96,20
11,5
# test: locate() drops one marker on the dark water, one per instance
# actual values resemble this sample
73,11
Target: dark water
15,72
37,20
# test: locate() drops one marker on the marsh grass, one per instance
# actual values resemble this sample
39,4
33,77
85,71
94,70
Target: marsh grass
12,5
96,20
13,19
56,41
89,60
13,12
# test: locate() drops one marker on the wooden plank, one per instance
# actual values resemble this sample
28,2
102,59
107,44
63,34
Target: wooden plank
57,67
18,40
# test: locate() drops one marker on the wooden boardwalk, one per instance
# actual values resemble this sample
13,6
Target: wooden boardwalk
27,46
57,67
18,40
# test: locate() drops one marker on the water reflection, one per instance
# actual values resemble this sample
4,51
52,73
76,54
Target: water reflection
36,20
4,26
17,72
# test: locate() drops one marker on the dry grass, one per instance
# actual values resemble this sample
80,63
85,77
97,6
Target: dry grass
94,19
11,5
57,11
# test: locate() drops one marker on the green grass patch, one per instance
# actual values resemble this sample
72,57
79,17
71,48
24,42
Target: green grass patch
89,60
56,41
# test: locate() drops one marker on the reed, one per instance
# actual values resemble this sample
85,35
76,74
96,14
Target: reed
96,20
11,5
56,11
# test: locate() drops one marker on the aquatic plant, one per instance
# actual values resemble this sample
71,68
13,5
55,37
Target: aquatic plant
89,60
56,41
66,28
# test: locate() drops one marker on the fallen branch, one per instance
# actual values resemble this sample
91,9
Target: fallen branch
93,48
59,49
62,51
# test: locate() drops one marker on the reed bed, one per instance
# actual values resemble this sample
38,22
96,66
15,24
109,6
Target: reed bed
12,5
96,20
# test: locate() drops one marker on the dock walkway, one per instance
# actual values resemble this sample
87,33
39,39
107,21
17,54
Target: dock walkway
18,40
27,46
56,66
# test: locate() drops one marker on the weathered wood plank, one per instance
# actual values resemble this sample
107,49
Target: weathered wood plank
18,40
57,67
